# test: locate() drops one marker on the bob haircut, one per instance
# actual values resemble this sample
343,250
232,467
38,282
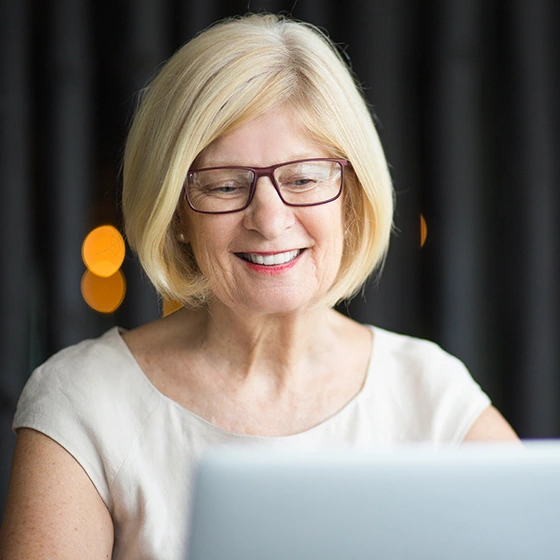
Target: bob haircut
229,74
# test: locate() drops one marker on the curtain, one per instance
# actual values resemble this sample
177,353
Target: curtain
465,96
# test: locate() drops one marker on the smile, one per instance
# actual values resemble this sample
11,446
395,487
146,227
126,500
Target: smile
270,260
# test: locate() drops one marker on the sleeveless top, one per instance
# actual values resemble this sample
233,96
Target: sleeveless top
139,447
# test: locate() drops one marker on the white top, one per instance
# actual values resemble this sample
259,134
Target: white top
139,447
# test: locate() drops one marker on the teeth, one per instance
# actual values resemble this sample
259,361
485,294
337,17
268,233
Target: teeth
270,260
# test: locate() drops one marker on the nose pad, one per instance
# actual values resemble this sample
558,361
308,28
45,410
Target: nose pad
267,213
264,190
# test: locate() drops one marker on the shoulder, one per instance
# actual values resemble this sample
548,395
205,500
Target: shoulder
89,354
91,368
87,379
80,395
432,391
413,356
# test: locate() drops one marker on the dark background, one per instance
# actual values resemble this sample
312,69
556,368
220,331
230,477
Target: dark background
466,97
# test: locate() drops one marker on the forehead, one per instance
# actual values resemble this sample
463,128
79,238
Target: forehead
271,138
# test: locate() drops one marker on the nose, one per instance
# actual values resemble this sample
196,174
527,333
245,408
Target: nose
267,214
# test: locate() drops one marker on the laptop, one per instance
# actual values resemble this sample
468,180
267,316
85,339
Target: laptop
476,502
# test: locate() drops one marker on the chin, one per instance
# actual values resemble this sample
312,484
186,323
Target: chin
277,303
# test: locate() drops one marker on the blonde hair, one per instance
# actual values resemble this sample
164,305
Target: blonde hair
229,74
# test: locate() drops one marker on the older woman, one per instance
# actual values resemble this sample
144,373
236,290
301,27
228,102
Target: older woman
257,194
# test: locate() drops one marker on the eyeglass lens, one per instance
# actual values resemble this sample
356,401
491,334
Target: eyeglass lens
304,183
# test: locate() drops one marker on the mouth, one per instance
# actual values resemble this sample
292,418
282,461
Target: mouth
270,259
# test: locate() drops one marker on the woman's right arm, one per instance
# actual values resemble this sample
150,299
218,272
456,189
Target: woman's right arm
53,509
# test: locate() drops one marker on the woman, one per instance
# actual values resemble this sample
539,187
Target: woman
255,192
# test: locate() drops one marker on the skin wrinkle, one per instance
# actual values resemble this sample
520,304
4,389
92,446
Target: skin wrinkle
267,225
264,355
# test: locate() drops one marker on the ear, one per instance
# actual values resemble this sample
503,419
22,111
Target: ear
181,237
180,225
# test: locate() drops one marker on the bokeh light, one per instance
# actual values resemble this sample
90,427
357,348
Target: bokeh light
170,306
423,231
103,251
104,294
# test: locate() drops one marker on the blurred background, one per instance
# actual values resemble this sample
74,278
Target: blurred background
466,98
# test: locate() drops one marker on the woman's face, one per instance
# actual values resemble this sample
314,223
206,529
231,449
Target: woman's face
310,239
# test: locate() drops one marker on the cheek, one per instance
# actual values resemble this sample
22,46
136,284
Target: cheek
337,227
210,239
334,224
329,237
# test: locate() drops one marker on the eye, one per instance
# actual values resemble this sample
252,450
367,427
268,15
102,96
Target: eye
223,189
299,182
230,188
220,188
303,181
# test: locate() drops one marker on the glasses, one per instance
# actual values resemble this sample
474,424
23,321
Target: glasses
307,182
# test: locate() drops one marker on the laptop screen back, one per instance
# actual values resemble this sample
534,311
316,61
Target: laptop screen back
477,502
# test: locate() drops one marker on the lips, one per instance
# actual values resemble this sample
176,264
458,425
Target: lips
270,259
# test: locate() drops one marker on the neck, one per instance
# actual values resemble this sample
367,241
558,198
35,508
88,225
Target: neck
278,346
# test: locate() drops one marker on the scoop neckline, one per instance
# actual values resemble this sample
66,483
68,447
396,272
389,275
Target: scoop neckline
352,403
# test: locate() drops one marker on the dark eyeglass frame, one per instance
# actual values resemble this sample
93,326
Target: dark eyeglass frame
259,172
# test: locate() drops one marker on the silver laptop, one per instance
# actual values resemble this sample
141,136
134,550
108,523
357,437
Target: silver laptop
477,502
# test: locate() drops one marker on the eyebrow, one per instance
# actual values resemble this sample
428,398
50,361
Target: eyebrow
228,163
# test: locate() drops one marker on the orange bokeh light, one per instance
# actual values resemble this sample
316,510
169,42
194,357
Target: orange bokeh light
103,251
104,294
423,231
170,306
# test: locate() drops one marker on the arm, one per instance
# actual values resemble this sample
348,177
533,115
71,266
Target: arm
53,509
491,426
